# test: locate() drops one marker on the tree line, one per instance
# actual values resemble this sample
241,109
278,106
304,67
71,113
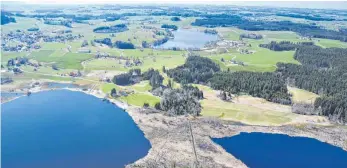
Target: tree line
307,30
167,26
117,44
284,45
251,36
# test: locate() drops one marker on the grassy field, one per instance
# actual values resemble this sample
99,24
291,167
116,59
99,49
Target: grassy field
138,99
107,87
143,86
67,61
302,96
245,109
326,43
155,59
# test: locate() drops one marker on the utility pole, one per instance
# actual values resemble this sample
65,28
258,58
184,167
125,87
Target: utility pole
193,143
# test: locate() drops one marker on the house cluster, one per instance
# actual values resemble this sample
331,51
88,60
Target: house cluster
246,51
23,41
17,41
237,62
231,44
102,55
75,74
14,64
84,50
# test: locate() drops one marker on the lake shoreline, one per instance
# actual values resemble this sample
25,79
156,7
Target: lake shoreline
167,136
171,140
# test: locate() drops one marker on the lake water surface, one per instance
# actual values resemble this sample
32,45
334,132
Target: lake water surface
262,150
188,38
66,129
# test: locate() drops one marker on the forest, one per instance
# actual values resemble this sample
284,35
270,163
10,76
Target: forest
323,71
307,17
196,69
264,85
181,101
123,45
306,30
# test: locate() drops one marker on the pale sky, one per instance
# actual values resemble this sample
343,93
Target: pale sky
279,3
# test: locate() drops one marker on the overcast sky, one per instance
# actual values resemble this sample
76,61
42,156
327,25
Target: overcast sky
292,4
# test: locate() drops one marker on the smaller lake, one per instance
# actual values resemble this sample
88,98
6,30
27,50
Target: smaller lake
188,38
66,129
263,150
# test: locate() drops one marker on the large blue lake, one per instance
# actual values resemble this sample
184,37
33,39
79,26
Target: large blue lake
262,150
188,38
66,129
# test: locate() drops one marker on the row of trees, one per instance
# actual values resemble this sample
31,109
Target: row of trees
167,26
284,45
196,69
117,44
62,22
251,36
111,29
160,41
210,31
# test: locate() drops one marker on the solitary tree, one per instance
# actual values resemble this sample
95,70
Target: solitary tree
145,105
169,85
113,92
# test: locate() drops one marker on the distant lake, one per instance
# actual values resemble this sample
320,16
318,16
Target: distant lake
262,150
66,129
188,38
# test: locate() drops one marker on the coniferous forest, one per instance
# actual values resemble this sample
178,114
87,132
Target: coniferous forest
322,71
